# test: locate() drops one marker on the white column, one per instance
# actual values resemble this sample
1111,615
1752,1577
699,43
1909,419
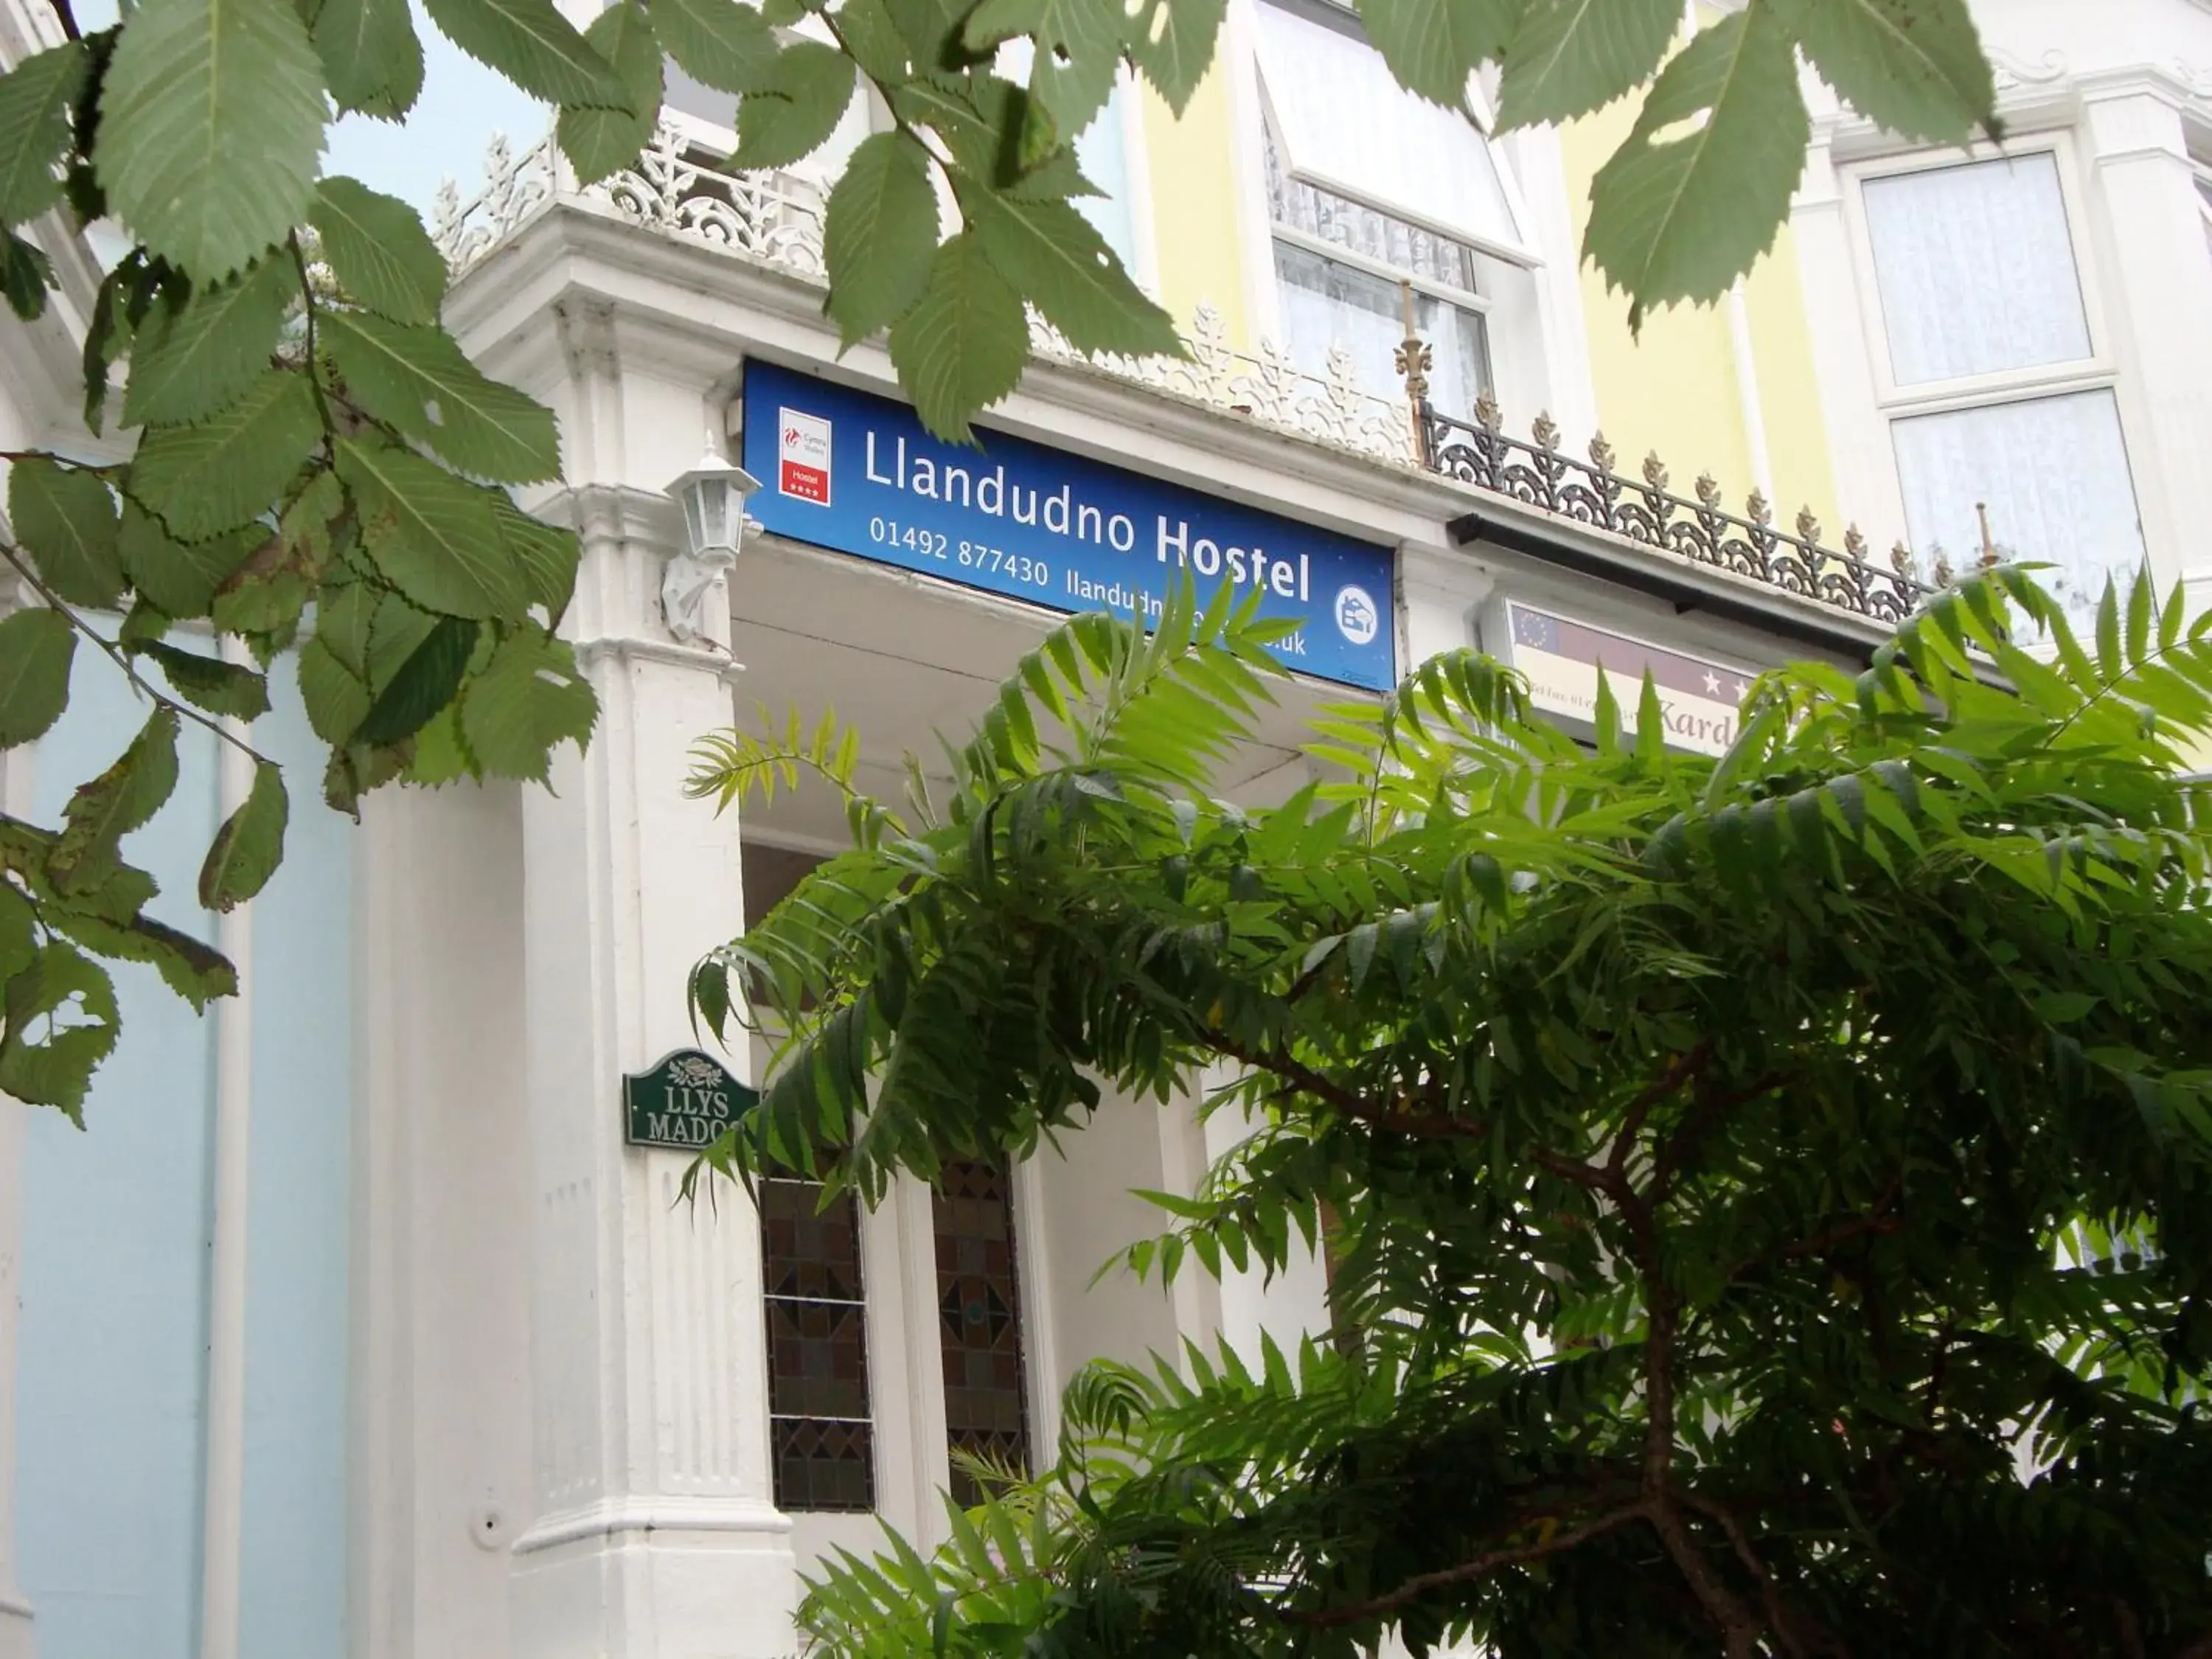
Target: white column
655,1535
2157,307
15,1629
1439,588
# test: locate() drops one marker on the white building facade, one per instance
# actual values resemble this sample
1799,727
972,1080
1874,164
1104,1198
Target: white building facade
353,1325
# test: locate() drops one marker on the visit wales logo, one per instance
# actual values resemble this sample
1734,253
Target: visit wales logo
803,453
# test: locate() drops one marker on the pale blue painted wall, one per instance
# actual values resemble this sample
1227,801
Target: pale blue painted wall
293,1576
111,1368
110,1365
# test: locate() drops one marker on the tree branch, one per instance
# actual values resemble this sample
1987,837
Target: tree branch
1304,1079
1420,1584
1679,1071
115,654
1778,1611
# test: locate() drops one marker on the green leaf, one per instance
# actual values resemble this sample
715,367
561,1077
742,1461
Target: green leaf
211,128
248,847
1680,217
423,684
192,355
209,683
878,235
873,41
1433,45
416,376
19,944
531,43
219,473
380,251
720,43
601,141
36,97
1571,56
962,346
546,555
193,969
526,702
798,106
121,799
1055,259
37,647
372,60
1078,51
1915,67
430,533
336,698
179,577
441,755
25,274
1172,42
67,520
61,1024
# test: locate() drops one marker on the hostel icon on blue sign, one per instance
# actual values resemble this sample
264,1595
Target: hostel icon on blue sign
856,473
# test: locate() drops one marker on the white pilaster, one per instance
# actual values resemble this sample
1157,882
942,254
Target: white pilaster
1439,588
655,1535
16,1628
2159,304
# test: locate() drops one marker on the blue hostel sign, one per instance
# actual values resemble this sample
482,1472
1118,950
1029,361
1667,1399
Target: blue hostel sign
857,473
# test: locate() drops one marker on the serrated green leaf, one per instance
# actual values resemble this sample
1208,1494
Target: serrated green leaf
1568,58
529,700
441,755
66,518
1681,218
395,629
1172,42
192,968
1078,51
211,128
546,554
1432,46
431,534
61,1022
796,110
531,43
121,799
337,699
219,473
209,683
1915,67
423,685
1055,259
878,235
720,43
178,577
415,377
963,344
190,358
599,142
19,943
380,253
372,60
37,647
249,846
25,274
874,42
36,97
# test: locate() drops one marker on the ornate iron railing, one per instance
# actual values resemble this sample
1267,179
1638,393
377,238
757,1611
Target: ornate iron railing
681,188
1538,473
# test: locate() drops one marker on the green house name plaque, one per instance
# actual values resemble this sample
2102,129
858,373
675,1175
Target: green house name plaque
684,1102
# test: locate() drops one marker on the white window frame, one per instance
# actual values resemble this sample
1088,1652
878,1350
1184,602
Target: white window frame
1253,121
2098,372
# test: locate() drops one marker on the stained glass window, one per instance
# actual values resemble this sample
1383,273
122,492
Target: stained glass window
978,1307
822,1436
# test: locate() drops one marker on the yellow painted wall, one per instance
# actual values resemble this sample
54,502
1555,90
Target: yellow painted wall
1194,189
1674,389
